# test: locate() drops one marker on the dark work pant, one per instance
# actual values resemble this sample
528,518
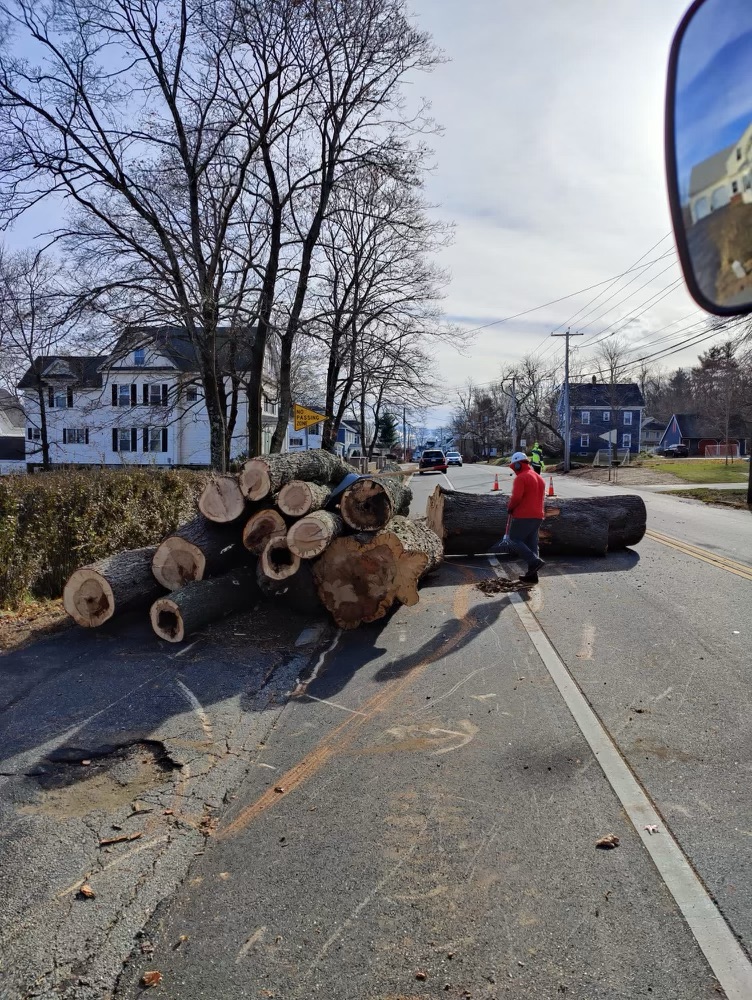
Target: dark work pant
523,539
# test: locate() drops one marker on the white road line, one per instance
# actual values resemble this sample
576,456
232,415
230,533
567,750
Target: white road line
198,708
725,956
186,648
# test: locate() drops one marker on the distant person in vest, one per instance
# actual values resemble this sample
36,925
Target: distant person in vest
536,458
526,515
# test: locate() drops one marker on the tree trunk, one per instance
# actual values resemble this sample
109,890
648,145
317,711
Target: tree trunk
277,561
299,498
309,537
268,474
372,501
93,594
221,500
196,550
203,601
470,523
260,527
299,591
359,577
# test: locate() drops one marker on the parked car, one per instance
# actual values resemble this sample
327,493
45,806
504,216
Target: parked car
676,451
454,458
432,461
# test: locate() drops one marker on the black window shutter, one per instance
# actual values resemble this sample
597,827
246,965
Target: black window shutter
145,439
28,433
134,397
164,439
65,436
145,394
134,439
114,439
164,395
86,435
70,395
51,397
114,394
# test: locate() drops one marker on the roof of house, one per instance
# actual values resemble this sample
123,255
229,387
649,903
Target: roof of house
12,448
710,171
605,394
12,417
175,343
79,370
695,426
651,424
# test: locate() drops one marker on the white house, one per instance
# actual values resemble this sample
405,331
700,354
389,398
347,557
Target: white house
348,437
722,178
12,423
141,405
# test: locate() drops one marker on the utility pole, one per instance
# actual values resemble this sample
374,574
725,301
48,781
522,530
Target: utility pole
404,433
514,414
567,414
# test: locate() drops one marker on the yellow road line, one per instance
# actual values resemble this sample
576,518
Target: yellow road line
720,562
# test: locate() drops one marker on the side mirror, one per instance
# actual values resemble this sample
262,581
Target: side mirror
709,152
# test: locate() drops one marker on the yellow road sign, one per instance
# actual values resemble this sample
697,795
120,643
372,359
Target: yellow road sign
304,417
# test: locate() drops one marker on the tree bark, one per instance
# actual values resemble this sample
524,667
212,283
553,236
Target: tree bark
268,474
277,561
469,523
196,550
298,498
203,601
221,500
260,527
309,536
371,502
93,594
299,591
359,577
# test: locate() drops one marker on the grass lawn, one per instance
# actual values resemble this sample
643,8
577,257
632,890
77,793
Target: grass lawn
718,498
700,470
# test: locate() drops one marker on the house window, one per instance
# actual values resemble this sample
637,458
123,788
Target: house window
627,418
584,440
139,357
269,405
125,439
60,397
154,439
191,394
586,416
738,152
747,182
296,442
75,435
34,433
626,440
157,394
735,187
606,416
123,395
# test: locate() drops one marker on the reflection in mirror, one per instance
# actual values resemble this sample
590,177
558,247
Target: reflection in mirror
713,137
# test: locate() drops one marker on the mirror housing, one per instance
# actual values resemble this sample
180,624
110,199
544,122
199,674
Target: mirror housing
709,152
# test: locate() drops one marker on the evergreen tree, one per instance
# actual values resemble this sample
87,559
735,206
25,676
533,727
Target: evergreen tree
388,431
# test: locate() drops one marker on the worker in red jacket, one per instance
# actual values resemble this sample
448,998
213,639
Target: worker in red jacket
526,513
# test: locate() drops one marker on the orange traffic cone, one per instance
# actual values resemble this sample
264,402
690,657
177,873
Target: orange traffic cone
551,486
496,483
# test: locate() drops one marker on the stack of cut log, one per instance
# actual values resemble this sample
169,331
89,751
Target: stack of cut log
304,526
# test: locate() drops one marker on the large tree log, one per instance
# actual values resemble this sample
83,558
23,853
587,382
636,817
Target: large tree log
359,577
371,502
470,523
221,500
298,592
260,527
196,550
269,473
93,594
298,498
204,601
276,560
309,536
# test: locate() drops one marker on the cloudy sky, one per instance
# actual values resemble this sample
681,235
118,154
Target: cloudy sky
551,166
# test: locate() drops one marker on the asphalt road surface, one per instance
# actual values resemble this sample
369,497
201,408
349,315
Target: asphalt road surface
421,818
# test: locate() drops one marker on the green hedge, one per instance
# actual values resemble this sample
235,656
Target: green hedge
53,522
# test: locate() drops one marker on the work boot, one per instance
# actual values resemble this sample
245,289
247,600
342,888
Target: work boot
529,577
538,564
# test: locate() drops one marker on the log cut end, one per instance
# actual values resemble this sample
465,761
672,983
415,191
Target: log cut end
167,621
222,500
309,537
88,598
299,497
260,528
366,505
355,581
178,562
277,561
435,513
255,481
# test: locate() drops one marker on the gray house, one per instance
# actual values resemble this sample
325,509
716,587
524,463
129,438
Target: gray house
602,413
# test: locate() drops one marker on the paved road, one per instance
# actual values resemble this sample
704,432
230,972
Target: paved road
421,819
